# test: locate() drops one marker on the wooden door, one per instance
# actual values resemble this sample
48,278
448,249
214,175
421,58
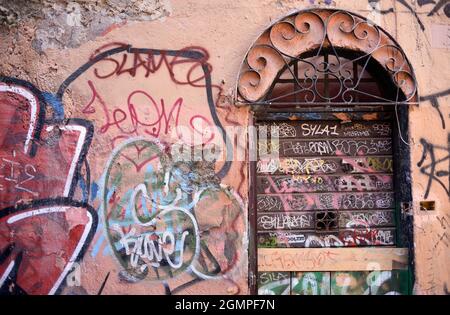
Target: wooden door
331,188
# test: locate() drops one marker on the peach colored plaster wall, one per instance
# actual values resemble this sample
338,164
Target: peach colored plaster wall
223,30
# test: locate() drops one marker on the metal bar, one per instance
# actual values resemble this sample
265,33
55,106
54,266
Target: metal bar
326,83
326,104
295,82
366,80
355,78
252,251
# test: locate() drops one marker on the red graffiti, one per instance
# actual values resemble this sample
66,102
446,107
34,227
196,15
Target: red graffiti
48,172
151,61
153,118
42,231
42,243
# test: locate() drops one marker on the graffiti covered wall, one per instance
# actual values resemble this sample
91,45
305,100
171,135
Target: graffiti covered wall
120,170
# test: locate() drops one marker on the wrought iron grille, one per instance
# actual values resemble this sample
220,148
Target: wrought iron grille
325,57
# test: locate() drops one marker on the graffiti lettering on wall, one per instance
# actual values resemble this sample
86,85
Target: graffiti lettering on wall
298,259
40,166
306,202
312,166
432,229
434,6
162,218
158,225
435,165
442,233
434,100
154,208
157,121
144,114
311,183
345,237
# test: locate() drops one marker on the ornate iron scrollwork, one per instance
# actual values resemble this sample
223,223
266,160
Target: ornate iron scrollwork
289,51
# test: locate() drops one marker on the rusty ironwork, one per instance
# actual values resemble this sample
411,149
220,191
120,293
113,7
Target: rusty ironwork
325,57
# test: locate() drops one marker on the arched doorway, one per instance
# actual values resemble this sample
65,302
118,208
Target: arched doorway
329,206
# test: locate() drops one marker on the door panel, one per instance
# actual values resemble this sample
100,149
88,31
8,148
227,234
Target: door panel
332,185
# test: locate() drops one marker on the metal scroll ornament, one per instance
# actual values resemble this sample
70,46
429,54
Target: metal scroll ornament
324,47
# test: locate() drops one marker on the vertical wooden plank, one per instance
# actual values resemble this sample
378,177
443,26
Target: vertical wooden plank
274,283
392,282
310,283
349,283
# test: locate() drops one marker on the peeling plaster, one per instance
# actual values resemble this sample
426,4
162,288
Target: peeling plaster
68,24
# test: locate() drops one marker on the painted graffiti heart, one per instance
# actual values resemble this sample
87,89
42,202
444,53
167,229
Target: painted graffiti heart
137,161
155,216
152,238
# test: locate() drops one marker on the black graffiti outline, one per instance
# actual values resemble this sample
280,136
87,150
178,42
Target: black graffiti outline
41,121
10,286
184,53
51,202
433,175
421,3
103,284
438,6
434,100
373,3
59,201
